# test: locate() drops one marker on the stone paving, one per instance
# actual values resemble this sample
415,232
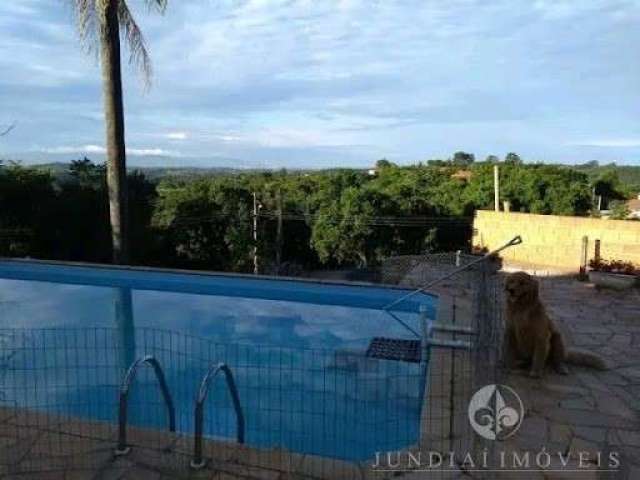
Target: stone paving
587,410
39,446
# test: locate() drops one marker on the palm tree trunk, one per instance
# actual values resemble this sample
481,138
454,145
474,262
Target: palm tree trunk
114,120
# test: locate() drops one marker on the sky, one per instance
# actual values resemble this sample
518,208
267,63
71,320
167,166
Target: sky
333,83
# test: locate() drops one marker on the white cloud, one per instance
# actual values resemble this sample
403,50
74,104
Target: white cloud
229,138
78,149
255,79
565,9
152,152
177,135
608,143
100,150
296,137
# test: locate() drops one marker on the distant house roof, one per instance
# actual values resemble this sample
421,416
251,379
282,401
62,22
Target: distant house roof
634,205
462,175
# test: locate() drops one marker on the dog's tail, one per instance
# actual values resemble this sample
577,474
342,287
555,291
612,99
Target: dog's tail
586,359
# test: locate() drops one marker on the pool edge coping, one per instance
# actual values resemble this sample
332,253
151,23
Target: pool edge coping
211,273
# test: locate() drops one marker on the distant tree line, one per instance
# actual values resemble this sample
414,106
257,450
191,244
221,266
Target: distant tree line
306,220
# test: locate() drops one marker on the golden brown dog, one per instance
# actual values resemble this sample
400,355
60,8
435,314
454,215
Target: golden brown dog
531,338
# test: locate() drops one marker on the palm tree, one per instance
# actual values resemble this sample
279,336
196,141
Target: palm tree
6,130
99,24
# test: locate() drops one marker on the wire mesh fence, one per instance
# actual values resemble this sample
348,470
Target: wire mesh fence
308,412
470,307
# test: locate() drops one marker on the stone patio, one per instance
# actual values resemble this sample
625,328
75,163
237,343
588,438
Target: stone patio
587,410
39,446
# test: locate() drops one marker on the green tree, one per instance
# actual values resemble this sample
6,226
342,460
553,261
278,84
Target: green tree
384,163
463,159
342,229
206,223
87,173
436,162
102,20
27,201
619,210
609,188
512,158
329,218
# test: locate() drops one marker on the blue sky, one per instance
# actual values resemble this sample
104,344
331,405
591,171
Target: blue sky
335,83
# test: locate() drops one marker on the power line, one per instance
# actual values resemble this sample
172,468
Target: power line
389,221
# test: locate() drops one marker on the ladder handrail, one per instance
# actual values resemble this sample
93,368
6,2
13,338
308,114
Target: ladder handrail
517,240
213,371
125,386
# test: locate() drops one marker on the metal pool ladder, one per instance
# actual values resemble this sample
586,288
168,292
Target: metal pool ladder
198,462
123,448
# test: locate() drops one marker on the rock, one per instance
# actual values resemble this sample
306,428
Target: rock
561,433
592,434
584,403
628,437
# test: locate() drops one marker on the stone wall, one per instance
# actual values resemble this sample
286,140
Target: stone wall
553,242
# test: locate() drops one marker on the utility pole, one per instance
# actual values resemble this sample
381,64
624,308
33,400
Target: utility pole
279,229
496,187
255,234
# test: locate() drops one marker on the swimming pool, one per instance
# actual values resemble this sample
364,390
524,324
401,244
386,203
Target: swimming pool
296,350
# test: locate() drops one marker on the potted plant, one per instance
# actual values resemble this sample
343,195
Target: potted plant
616,274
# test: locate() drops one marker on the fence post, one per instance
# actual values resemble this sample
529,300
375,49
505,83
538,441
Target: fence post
426,328
452,379
584,258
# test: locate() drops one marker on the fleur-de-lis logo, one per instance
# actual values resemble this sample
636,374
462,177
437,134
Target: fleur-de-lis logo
495,412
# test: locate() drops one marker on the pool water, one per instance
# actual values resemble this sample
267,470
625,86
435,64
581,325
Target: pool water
296,350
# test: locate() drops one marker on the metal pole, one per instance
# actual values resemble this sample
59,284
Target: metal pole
255,234
452,379
279,231
426,327
517,240
584,257
496,187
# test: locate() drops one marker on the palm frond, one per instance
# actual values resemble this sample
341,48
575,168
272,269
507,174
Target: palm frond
89,23
159,5
6,130
138,53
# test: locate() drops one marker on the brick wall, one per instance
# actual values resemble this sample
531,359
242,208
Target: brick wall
554,242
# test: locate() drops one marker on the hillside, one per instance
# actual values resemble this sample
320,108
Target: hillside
60,170
629,175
